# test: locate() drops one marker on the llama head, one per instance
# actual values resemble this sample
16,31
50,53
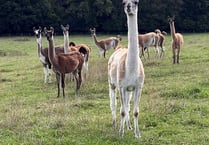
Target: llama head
65,29
171,19
37,32
119,37
164,33
130,6
92,31
49,33
157,31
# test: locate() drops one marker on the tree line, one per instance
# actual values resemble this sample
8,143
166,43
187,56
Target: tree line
20,16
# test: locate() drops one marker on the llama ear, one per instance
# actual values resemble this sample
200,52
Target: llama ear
67,26
119,37
169,19
52,29
40,29
45,30
173,18
62,27
34,28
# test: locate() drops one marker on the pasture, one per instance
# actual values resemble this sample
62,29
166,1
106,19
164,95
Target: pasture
174,108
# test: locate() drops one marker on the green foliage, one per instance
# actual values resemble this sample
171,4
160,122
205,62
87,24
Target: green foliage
19,17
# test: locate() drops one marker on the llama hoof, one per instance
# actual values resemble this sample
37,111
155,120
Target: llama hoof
121,133
129,128
137,134
114,123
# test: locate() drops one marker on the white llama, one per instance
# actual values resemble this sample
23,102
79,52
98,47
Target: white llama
126,72
43,55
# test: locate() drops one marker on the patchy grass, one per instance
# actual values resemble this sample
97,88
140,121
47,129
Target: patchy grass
173,109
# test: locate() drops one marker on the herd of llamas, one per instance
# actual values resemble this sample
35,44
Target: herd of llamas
125,68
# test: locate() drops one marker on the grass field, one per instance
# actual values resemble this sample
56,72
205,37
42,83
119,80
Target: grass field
174,107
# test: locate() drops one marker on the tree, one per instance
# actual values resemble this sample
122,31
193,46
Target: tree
19,16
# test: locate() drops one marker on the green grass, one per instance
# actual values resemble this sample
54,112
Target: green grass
173,109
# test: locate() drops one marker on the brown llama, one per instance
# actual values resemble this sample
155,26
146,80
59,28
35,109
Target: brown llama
161,41
147,40
64,63
85,49
105,44
82,48
177,41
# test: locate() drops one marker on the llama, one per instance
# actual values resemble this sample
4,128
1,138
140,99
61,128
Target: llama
43,55
177,41
85,49
64,63
66,38
147,40
126,72
105,44
161,40
67,49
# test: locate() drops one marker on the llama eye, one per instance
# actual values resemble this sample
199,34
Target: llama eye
123,3
136,2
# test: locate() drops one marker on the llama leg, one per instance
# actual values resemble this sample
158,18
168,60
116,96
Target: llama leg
122,111
162,51
148,52
174,56
137,96
63,84
113,102
50,75
71,77
58,84
76,78
142,55
85,69
156,52
128,123
79,78
104,53
45,73
178,52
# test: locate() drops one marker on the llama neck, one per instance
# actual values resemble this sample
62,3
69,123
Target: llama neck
133,48
66,42
39,42
95,39
173,31
51,51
